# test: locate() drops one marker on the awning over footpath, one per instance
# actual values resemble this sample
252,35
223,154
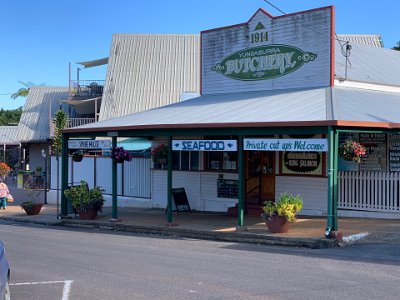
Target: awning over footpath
311,107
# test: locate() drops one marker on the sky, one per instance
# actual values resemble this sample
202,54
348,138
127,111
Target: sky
38,39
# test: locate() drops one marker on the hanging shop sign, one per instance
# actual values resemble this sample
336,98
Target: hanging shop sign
264,62
204,145
306,163
89,144
295,145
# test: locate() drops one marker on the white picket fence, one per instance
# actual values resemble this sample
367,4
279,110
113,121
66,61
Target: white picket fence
369,191
133,177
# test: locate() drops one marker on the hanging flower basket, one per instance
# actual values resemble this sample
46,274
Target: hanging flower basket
77,156
119,155
160,153
352,151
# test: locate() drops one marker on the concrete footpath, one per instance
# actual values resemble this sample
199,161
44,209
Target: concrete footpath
306,232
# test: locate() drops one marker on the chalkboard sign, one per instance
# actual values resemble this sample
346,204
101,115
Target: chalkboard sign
180,199
375,144
227,188
394,153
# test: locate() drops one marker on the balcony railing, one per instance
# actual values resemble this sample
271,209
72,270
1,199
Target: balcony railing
73,122
86,88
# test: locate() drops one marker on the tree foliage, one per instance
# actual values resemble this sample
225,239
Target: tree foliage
60,122
10,117
397,47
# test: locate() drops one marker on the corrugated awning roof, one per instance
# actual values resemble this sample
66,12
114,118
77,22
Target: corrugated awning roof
94,63
8,135
312,106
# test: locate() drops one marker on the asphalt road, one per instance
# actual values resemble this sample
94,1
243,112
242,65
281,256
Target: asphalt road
59,263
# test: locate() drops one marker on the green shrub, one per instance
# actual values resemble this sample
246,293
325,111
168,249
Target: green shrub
287,207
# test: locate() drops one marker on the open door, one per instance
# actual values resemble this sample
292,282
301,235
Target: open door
260,177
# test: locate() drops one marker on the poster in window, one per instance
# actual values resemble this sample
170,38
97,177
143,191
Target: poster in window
302,163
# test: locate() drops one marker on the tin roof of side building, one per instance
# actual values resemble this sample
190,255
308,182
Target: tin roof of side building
260,108
367,64
34,123
364,39
8,135
149,70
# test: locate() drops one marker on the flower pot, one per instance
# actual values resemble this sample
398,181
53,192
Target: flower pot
88,215
347,157
119,161
33,210
77,158
162,161
276,224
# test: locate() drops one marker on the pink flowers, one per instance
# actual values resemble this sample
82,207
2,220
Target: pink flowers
352,151
120,154
159,152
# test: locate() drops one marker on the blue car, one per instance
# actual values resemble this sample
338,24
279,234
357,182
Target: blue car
4,274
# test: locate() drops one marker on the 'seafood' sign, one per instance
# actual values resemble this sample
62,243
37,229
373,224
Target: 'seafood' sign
204,145
305,145
89,144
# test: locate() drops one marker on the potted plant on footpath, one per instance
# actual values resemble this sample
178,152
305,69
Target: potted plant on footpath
87,202
77,156
352,151
119,155
278,215
31,206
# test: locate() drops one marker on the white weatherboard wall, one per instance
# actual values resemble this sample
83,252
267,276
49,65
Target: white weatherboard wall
200,187
309,31
313,190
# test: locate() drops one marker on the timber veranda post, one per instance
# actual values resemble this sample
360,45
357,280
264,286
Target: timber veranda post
241,171
169,182
64,175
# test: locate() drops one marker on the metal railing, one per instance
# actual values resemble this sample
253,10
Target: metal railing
73,122
86,88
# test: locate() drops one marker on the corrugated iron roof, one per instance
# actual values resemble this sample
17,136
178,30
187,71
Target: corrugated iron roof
323,104
368,64
364,39
34,123
8,135
149,70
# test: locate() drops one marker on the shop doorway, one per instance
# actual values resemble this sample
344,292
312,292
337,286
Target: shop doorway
260,177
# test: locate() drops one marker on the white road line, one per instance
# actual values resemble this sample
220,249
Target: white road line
66,290
40,282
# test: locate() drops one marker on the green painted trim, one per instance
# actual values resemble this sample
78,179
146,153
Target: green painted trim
335,182
241,171
366,131
64,175
329,221
114,182
169,181
207,132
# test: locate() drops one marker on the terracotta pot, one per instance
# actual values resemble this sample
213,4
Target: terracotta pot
277,224
88,215
35,210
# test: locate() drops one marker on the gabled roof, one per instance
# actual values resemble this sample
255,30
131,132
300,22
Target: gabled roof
263,108
8,135
149,70
40,103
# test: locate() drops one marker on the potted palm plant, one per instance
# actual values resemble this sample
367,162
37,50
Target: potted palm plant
278,215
